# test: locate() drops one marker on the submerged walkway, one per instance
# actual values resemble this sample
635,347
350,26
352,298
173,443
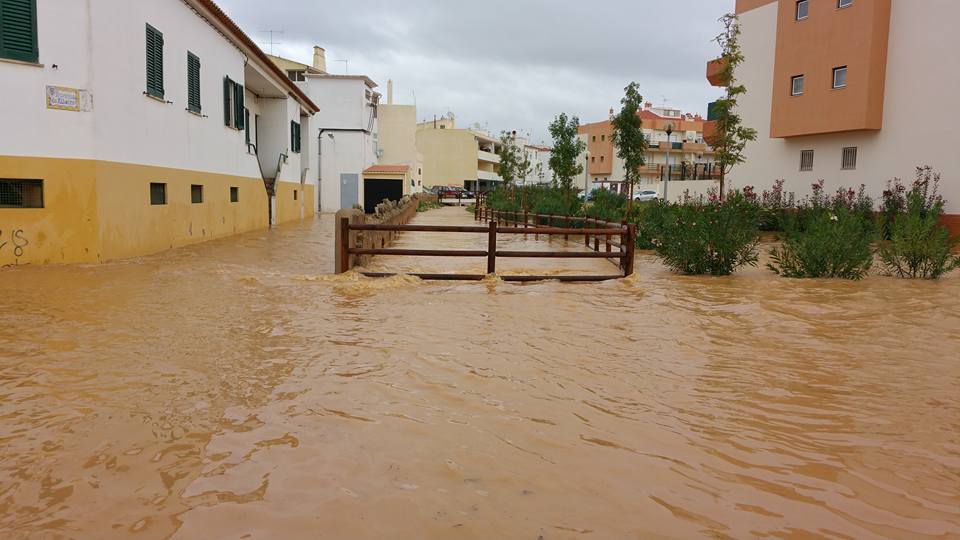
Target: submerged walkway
473,241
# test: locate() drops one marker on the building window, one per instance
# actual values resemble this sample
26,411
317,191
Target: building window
18,30
193,83
21,193
295,137
233,109
294,194
296,75
594,138
234,194
593,159
840,77
796,85
196,193
603,138
601,159
154,62
803,9
158,193
246,126
806,160
844,3
849,162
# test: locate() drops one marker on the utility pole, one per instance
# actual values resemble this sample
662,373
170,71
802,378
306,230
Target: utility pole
346,66
666,180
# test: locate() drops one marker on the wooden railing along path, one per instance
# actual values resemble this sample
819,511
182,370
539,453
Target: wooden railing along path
621,250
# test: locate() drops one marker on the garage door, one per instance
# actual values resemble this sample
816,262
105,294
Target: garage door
375,191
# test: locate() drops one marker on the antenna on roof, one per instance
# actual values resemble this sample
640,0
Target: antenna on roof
346,66
272,42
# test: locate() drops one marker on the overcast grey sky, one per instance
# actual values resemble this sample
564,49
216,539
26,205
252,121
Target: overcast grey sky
506,64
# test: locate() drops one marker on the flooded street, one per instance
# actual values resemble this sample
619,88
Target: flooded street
234,389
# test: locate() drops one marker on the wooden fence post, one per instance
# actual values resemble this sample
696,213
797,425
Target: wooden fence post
492,248
343,265
631,250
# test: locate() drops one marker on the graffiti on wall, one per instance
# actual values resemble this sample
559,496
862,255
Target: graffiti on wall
14,241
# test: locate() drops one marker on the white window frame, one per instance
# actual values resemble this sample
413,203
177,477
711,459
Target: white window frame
837,70
803,154
796,13
793,85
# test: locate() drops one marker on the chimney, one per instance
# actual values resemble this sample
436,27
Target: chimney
647,105
389,91
320,59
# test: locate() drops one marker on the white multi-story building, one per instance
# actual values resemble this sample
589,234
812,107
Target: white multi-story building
346,129
852,92
133,127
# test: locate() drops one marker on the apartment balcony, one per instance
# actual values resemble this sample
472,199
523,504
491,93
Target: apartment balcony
698,148
715,72
489,157
489,176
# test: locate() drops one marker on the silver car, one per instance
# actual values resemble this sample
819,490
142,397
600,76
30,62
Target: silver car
647,195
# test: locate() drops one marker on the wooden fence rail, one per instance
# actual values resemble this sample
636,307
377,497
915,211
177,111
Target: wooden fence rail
624,255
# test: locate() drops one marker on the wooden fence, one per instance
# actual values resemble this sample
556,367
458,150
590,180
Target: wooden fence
621,250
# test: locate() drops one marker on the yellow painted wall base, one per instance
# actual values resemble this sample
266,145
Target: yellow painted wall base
96,211
293,201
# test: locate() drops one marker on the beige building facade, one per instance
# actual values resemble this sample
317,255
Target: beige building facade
467,158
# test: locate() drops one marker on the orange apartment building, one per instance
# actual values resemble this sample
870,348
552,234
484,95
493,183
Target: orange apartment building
690,157
849,91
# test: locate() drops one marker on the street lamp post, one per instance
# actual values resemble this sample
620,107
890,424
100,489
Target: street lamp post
586,174
666,179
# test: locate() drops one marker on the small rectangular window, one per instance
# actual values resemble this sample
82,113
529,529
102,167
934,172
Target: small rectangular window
196,194
840,77
849,162
803,9
603,138
234,194
796,85
844,3
158,193
154,48
806,160
21,193
294,194
246,124
18,30
193,83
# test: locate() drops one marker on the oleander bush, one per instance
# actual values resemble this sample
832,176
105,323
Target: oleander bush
827,236
713,237
914,243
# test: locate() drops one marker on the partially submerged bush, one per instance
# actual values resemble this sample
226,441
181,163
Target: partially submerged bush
917,245
715,237
824,242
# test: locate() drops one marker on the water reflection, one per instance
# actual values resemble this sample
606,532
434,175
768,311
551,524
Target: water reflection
233,390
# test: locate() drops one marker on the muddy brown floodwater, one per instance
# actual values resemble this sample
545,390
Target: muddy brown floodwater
234,390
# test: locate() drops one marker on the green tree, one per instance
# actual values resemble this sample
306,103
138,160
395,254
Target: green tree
731,135
509,159
567,147
628,138
524,165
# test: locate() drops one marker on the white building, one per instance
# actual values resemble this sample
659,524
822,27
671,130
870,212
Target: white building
346,127
102,159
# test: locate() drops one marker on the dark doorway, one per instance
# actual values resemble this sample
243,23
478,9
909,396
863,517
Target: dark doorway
375,191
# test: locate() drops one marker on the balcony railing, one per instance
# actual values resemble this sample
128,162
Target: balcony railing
488,156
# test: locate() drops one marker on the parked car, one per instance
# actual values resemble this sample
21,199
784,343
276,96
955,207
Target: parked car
647,195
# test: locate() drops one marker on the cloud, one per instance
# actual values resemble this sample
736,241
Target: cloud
505,64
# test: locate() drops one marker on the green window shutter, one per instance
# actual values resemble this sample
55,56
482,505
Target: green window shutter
154,62
238,106
227,93
18,30
193,82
